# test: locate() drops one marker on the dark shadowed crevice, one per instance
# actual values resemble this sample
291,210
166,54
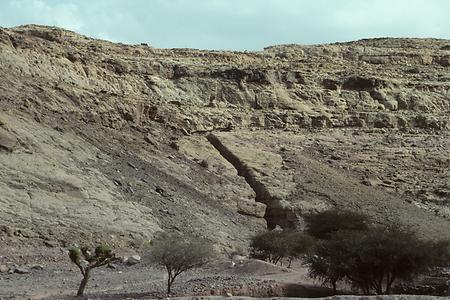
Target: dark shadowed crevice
276,213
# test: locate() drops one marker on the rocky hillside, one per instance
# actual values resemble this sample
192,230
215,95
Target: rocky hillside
118,142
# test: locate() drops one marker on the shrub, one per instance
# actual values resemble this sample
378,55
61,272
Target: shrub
86,260
178,254
323,225
275,245
374,259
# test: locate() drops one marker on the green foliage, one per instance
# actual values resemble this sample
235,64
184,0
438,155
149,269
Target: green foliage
374,259
86,260
275,245
268,246
178,254
103,251
297,243
323,225
75,255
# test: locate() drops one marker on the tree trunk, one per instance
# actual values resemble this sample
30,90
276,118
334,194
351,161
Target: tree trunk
389,284
169,284
170,281
333,283
366,289
83,283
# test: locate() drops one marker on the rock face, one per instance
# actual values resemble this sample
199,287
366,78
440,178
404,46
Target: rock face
111,141
251,208
7,141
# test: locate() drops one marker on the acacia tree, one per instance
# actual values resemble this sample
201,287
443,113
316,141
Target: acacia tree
374,259
86,260
324,224
276,245
178,254
269,246
393,252
326,261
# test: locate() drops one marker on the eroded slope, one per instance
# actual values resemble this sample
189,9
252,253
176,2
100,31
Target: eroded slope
110,139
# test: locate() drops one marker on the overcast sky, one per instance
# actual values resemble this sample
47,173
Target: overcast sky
234,24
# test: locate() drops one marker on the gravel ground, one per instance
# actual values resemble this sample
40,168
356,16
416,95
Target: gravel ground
52,276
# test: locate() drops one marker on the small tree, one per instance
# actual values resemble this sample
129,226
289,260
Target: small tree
178,254
323,225
269,246
86,260
273,246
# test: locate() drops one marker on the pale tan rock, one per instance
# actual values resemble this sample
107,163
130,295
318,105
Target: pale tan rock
84,110
251,208
4,269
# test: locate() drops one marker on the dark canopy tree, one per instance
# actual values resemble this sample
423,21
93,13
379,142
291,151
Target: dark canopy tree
324,224
374,259
276,245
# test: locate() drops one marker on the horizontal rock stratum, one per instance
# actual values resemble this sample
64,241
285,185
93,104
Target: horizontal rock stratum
112,141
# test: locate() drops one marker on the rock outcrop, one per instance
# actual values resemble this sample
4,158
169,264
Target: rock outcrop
108,141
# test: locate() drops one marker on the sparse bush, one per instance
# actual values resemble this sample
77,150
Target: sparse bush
374,259
323,225
204,163
178,254
86,260
273,246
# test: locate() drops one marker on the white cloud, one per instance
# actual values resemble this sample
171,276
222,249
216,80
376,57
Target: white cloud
65,15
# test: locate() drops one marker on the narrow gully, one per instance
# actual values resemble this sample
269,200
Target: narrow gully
275,214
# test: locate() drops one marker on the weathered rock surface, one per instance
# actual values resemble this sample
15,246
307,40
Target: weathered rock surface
109,141
251,208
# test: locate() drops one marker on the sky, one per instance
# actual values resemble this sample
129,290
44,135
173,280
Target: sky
234,24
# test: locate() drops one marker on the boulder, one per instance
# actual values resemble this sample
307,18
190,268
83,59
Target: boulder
388,102
51,244
376,59
132,260
37,267
22,270
251,208
112,266
4,269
